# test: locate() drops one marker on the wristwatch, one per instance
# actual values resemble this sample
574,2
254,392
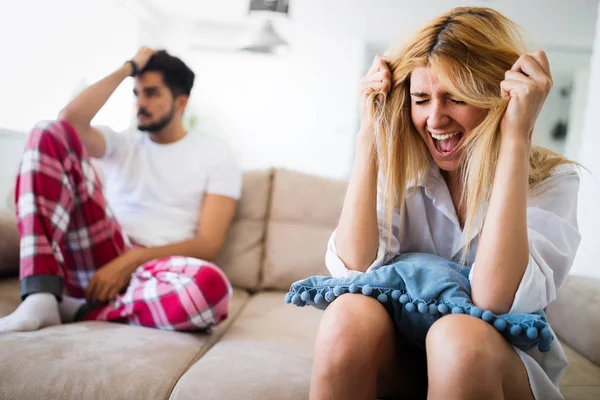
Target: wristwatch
134,67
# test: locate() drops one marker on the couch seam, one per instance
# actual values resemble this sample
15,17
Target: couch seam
263,255
195,359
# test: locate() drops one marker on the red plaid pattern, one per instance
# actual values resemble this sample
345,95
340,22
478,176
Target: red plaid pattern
68,232
174,293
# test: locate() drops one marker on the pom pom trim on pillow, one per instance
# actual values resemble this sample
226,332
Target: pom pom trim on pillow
319,297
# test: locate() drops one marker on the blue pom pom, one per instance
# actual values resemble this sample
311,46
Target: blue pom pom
546,333
329,296
319,298
305,296
288,298
396,294
423,309
458,310
295,299
476,312
410,307
487,316
338,291
443,309
433,309
539,325
532,333
367,290
404,299
500,324
353,288
382,298
516,330
545,345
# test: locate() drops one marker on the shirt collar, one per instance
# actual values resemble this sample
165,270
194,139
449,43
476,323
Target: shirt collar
431,181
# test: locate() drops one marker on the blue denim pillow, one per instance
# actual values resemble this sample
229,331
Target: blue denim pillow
417,289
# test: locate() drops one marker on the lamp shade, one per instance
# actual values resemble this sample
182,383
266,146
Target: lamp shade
263,40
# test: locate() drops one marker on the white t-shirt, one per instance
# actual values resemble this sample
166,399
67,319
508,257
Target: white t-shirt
431,226
156,190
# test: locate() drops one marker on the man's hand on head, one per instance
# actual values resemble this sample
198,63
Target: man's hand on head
142,57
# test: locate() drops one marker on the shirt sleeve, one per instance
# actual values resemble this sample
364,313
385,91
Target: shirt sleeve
385,251
553,241
115,144
225,177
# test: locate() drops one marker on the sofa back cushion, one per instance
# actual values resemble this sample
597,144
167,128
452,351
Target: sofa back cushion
9,244
243,251
303,213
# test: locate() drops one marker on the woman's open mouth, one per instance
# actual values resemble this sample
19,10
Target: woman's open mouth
446,144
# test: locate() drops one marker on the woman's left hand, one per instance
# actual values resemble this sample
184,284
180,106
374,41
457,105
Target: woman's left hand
527,84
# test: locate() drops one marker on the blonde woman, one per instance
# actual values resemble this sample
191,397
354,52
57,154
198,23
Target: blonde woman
444,165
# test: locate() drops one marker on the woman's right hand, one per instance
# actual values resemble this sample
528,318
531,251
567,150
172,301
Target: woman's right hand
377,80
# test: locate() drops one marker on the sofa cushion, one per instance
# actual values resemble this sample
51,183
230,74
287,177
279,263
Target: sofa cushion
101,360
266,354
243,251
9,244
582,379
574,315
273,351
10,201
304,212
10,295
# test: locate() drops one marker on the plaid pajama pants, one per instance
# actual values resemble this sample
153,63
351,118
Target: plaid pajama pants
68,231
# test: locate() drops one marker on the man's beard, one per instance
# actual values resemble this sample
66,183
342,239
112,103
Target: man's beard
157,126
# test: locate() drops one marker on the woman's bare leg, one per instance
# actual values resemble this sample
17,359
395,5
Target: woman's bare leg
469,359
358,355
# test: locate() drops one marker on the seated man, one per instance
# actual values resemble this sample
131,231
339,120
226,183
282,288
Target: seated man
140,251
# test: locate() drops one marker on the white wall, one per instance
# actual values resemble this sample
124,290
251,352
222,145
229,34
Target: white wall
296,111
588,256
11,147
51,50
555,109
579,98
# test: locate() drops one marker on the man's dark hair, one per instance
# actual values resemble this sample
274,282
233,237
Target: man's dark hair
178,77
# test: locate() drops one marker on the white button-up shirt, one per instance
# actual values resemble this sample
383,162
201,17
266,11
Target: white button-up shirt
430,225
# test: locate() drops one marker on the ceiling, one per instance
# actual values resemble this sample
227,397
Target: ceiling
559,24
201,10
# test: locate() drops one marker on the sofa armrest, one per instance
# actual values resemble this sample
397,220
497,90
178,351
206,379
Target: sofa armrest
575,315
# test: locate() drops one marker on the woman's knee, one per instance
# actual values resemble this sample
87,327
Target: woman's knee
354,328
465,344
470,359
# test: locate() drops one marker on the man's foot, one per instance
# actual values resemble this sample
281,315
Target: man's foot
36,311
68,308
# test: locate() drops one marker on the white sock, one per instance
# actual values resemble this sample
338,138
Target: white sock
36,311
68,307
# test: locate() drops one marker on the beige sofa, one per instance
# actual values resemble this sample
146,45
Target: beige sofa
264,350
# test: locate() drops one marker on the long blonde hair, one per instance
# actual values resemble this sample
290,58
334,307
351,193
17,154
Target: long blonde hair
468,49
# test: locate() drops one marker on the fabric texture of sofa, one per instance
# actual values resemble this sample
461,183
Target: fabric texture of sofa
264,350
